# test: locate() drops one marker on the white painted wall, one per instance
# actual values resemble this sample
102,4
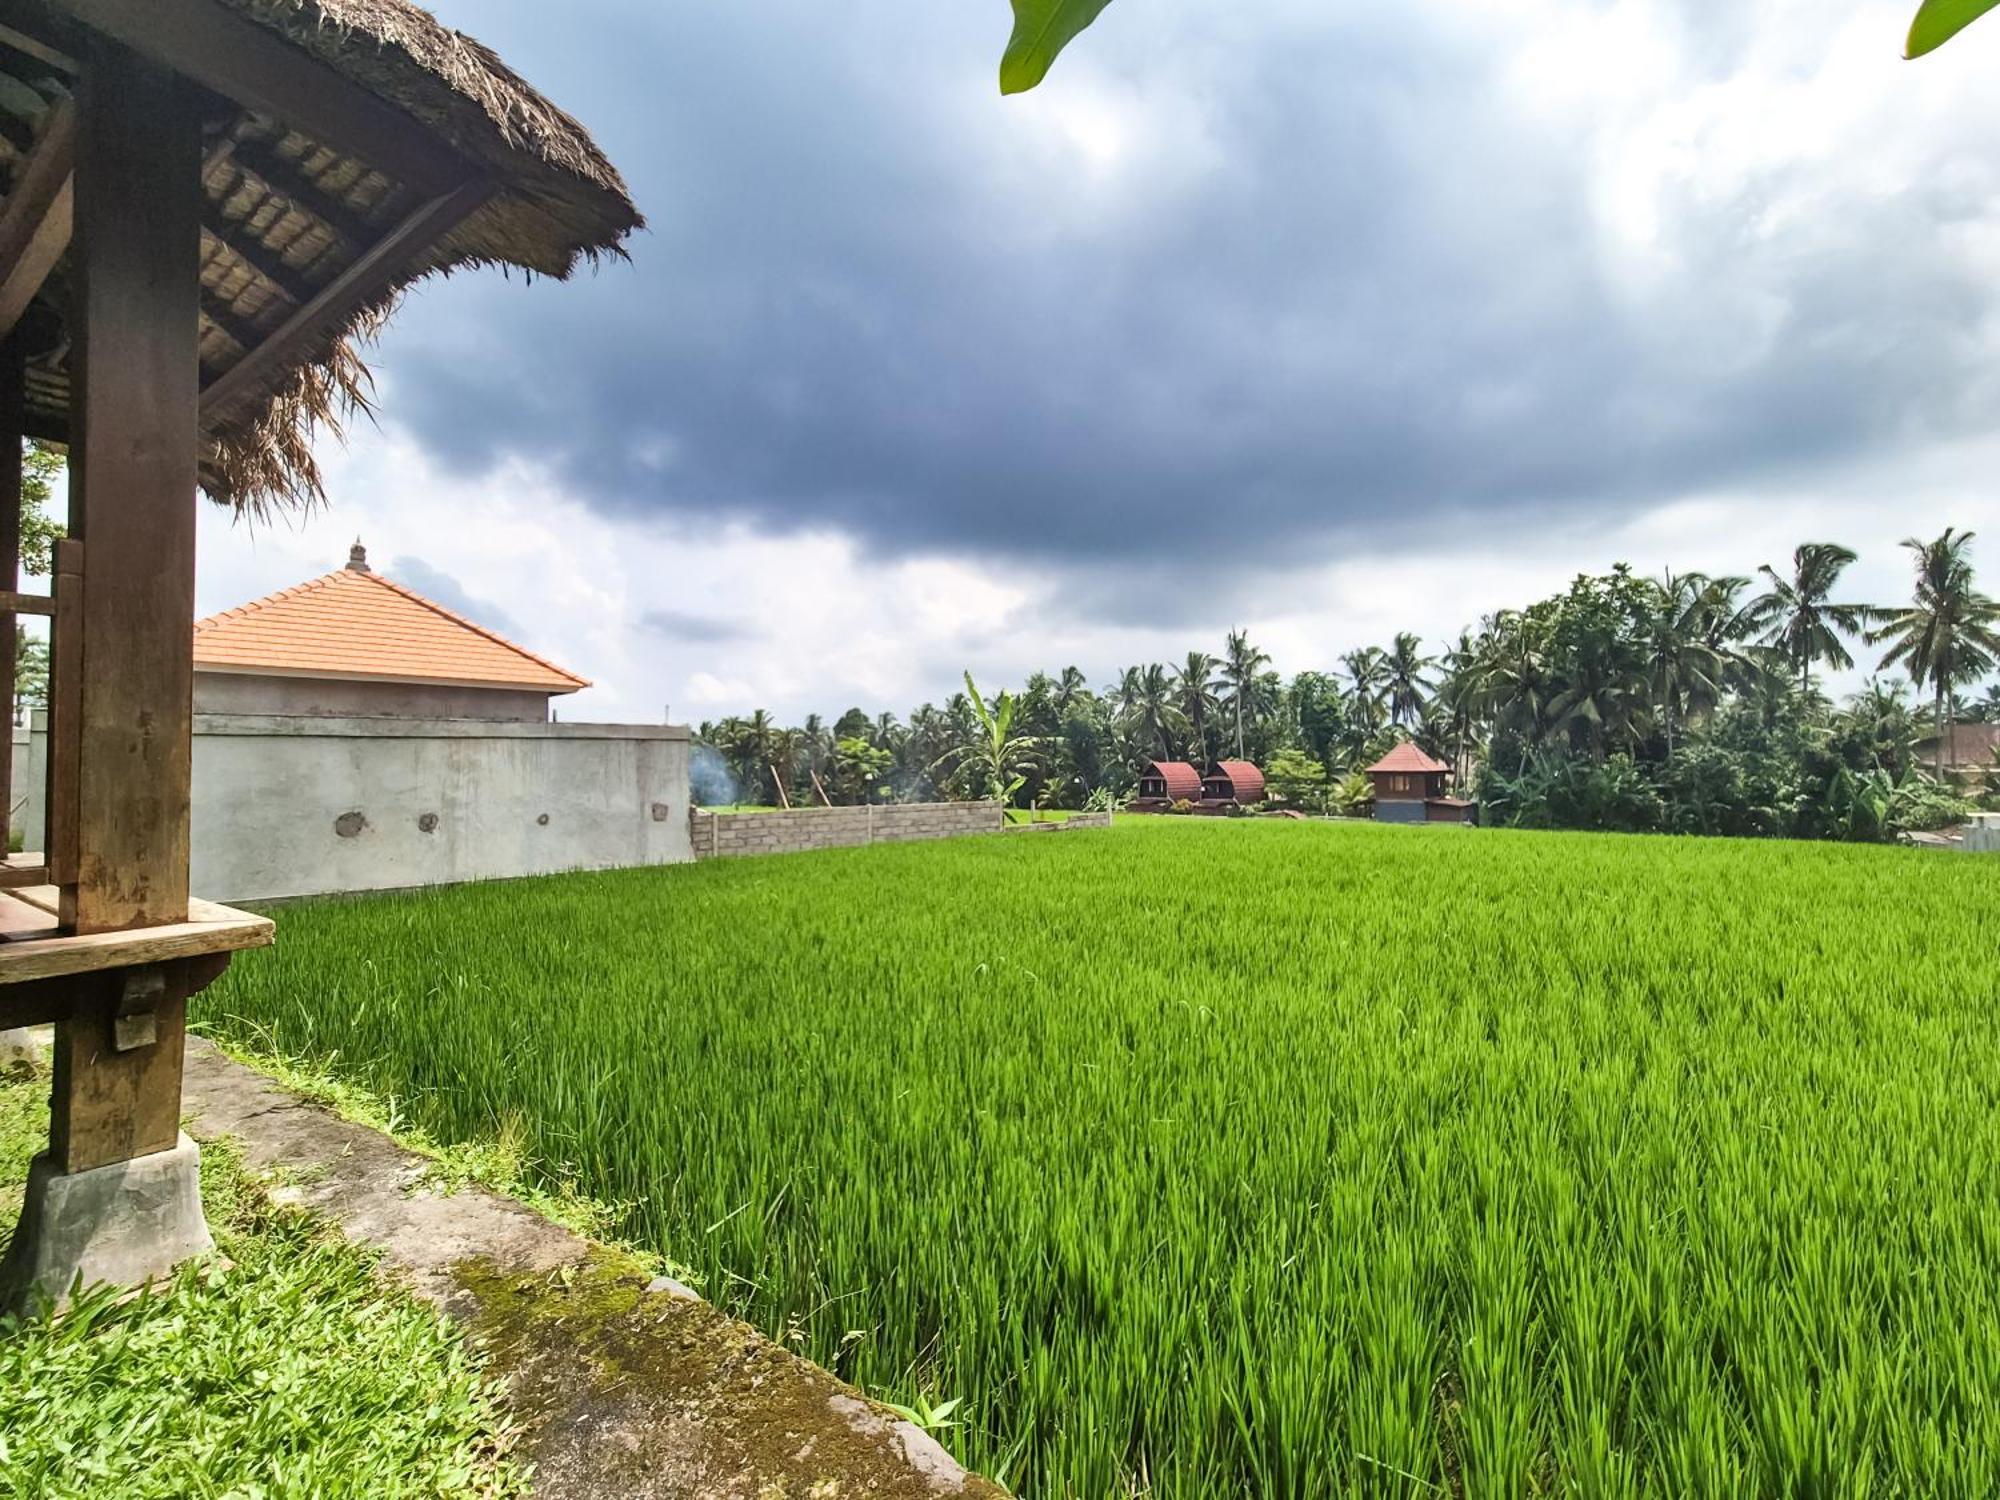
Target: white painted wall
344,697
300,806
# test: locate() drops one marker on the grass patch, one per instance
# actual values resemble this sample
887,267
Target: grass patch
499,1161
288,1371
1265,1158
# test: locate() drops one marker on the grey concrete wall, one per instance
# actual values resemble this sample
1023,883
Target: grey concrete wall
297,806
729,834
1075,822
259,693
31,779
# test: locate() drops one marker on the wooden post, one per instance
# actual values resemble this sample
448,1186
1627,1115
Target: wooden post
11,401
134,408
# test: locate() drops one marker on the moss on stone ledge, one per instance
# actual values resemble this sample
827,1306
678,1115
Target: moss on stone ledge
681,1399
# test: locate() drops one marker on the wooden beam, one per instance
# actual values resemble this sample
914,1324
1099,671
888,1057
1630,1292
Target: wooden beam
224,317
11,602
35,222
339,300
35,47
257,68
237,239
134,408
286,180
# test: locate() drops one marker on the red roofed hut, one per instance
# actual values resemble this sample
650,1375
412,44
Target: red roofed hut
1165,782
1233,783
1412,787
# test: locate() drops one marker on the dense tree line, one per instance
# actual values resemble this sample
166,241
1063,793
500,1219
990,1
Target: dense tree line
1687,703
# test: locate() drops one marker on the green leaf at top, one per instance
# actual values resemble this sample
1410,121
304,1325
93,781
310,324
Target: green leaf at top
1937,22
1042,28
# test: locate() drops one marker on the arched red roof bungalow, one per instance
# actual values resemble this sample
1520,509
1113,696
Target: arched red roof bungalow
1169,781
1234,781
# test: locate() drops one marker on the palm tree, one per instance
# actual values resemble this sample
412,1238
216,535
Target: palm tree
1153,719
1070,691
1686,670
1797,614
1403,669
1194,697
1367,682
1949,636
1241,664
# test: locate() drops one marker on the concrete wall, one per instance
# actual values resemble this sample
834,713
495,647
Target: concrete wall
1075,822
300,806
31,779
1982,834
728,834
332,697
293,806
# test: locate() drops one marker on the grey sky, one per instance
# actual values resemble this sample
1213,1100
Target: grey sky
1241,293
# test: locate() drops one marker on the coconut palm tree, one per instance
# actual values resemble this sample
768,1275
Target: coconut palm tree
1195,697
1403,667
1367,683
1686,669
1798,616
1242,663
1153,719
1949,636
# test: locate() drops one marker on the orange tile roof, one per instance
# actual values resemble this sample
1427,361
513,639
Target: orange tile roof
1407,757
358,624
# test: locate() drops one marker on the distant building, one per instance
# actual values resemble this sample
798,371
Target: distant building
1412,787
1233,783
353,644
1164,783
1971,750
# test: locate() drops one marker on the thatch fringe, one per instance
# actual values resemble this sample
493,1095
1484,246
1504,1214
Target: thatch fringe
559,201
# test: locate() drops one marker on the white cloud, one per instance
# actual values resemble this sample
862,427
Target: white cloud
1716,152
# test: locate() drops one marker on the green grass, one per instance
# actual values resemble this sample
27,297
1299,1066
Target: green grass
1258,1159
288,1370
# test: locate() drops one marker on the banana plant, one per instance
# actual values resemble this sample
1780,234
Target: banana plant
1042,28
1937,22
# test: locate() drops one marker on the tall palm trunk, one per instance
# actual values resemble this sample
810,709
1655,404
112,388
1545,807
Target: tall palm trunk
1942,736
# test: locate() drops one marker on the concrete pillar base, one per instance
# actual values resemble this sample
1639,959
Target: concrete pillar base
20,1055
124,1224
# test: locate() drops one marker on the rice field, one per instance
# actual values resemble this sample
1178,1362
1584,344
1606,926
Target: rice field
1204,1160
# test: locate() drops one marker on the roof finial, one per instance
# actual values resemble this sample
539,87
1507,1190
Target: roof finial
357,557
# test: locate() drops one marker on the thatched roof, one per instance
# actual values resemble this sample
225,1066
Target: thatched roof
289,213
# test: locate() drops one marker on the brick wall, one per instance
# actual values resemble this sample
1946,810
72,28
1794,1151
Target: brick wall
1072,823
731,834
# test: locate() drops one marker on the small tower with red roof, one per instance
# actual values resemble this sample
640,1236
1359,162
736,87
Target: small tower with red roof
1413,787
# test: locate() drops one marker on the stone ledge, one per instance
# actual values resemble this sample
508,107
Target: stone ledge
625,1388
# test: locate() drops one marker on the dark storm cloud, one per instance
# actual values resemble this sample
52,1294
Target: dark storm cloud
441,587
1348,289
695,629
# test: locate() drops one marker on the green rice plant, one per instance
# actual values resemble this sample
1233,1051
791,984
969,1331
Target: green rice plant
1264,1159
